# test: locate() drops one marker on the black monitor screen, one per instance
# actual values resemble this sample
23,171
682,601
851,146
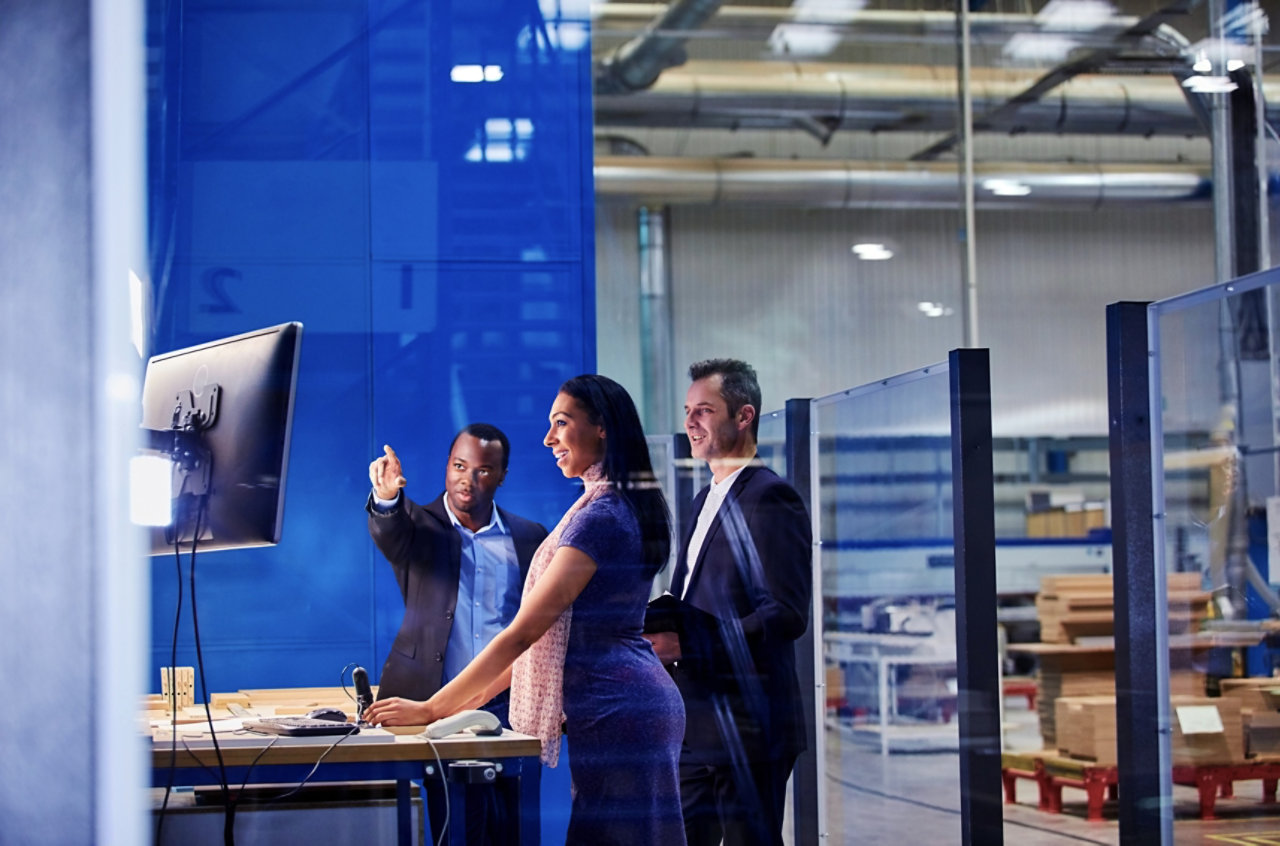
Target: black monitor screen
234,398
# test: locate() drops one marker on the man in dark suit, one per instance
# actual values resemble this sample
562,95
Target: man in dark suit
460,562
744,579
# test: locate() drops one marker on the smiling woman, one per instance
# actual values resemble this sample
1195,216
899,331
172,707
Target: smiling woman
574,656
575,442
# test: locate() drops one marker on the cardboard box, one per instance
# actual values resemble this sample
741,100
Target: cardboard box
1213,734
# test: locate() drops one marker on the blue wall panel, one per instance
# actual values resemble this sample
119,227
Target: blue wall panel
322,162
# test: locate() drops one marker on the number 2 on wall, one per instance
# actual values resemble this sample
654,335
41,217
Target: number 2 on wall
214,281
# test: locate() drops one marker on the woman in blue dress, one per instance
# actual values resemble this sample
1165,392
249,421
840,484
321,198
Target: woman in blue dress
574,655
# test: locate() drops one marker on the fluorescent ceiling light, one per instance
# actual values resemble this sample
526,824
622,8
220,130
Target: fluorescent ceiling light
476,73
1209,84
1006,187
929,309
1075,15
1038,47
872,252
804,35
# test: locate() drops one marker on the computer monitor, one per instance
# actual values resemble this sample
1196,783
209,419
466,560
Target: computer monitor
221,413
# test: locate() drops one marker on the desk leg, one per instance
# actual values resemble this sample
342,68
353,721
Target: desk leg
404,813
530,810
457,812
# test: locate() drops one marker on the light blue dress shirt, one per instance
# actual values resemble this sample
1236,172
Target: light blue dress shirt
489,587
488,590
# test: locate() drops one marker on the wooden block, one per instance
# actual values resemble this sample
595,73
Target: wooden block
222,700
179,684
1251,692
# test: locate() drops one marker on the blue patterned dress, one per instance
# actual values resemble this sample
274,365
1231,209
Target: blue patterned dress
623,714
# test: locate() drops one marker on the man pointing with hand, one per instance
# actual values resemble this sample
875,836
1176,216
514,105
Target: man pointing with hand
460,562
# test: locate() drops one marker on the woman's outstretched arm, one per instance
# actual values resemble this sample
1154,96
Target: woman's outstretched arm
490,673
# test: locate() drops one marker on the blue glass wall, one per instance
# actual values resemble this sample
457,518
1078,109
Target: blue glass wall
411,181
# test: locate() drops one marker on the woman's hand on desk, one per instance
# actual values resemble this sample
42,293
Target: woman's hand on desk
401,712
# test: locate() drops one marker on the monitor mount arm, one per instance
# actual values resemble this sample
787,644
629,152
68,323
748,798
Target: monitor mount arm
183,444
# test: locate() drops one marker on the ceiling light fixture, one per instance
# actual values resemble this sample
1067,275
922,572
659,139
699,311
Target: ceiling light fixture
872,252
1006,187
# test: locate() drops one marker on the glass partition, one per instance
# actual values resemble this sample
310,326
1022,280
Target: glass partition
771,441
882,494
1214,456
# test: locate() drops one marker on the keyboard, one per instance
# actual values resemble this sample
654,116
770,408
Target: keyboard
300,726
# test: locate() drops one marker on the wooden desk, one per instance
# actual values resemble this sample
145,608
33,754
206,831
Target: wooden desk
402,758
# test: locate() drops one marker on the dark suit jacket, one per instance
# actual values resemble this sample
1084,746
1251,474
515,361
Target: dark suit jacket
752,589
426,553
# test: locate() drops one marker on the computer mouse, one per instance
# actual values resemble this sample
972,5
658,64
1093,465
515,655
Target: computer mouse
335,714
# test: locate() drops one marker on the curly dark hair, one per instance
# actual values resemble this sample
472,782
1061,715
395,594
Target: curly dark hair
486,432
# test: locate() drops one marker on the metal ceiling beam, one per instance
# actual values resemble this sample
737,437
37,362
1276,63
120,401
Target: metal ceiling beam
1089,63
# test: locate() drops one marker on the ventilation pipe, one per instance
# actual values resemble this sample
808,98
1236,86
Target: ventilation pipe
742,95
636,64
849,184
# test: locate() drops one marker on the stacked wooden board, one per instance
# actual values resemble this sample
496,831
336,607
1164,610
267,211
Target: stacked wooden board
1076,607
1076,655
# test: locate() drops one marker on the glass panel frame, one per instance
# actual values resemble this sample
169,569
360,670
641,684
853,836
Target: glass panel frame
1214,449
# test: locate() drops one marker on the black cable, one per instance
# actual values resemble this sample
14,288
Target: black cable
342,680
228,831
229,810
354,730
173,694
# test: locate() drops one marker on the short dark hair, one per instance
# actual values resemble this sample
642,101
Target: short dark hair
738,385
626,461
485,432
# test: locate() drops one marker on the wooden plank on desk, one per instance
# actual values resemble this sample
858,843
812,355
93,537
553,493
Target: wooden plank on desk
403,748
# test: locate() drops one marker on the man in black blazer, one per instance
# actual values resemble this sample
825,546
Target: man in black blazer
744,577
460,562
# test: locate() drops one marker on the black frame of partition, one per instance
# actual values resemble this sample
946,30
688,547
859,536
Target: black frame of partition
977,644
1133,566
806,778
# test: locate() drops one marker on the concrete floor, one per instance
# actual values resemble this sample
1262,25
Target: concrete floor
914,797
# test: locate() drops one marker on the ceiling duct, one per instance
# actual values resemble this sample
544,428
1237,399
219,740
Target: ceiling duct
836,184
636,64
758,22
878,98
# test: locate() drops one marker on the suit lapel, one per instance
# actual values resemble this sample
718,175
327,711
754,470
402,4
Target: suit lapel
436,509
713,531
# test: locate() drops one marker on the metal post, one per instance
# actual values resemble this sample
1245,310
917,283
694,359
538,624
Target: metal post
977,647
656,354
1220,149
1144,784
806,780
969,269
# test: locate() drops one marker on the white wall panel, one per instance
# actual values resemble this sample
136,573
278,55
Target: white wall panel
781,289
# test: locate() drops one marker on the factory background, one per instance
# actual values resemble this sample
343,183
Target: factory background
466,203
